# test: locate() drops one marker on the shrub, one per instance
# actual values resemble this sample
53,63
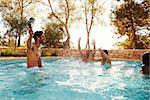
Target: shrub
9,52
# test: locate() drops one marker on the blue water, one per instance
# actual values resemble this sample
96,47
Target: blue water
71,79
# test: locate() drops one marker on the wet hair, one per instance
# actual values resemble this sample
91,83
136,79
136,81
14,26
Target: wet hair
106,51
37,34
146,58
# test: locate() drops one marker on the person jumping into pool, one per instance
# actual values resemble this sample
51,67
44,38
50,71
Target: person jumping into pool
33,49
87,55
146,63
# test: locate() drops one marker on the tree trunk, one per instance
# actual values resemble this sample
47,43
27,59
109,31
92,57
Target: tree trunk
21,4
15,42
19,39
68,37
88,41
133,35
88,29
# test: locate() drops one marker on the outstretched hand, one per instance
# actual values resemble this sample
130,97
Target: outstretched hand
79,39
93,42
79,47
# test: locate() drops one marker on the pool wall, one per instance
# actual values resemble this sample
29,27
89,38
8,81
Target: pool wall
115,54
134,54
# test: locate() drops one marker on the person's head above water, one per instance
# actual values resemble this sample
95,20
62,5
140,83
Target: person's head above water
146,59
106,51
39,36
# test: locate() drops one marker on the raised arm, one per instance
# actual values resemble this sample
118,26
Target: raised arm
94,46
104,55
79,47
30,38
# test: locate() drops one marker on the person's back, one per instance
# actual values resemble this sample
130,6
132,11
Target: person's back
105,58
146,64
106,61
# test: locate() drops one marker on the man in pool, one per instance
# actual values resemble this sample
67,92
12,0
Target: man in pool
87,55
146,64
105,60
33,49
105,57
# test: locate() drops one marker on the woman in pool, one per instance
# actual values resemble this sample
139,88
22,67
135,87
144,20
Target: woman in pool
87,55
146,64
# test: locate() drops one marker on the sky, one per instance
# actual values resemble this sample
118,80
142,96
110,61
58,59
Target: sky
102,34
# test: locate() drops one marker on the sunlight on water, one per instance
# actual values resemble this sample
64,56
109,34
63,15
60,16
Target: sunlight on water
118,98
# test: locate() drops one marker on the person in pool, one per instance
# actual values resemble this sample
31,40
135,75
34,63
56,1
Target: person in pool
146,63
105,57
87,55
34,49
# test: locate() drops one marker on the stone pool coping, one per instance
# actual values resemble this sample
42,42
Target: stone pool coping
126,54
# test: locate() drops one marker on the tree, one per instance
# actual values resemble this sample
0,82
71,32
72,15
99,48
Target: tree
13,16
3,40
54,35
10,36
131,18
64,14
92,9
88,29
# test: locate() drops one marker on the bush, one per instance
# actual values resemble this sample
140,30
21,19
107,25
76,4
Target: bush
49,53
9,52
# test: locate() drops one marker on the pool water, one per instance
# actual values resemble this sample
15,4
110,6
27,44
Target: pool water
71,79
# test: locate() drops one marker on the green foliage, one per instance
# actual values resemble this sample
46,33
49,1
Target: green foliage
130,19
1,40
13,17
9,52
10,43
54,33
143,42
125,44
49,53
64,14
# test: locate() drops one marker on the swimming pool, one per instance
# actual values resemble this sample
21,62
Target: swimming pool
71,79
